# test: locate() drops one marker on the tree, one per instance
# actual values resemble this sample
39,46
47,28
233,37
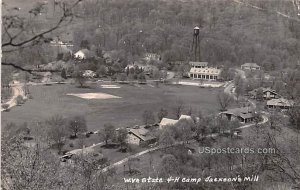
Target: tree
148,117
259,94
141,77
79,78
122,136
5,107
178,108
224,100
101,71
162,113
227,74
294,115
166,138
88,166
275,120
63,73
202,127
184,130
19,100
121,77
57,131
239,86
26,167
19,34
108,132
77,124
85,44
169,166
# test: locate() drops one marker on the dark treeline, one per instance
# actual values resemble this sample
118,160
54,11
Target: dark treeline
230,33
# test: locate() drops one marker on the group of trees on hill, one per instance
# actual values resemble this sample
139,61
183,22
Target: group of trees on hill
230,33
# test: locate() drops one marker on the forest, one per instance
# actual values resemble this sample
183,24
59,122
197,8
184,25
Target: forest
231,34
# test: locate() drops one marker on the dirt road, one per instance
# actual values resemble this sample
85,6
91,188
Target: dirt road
17,89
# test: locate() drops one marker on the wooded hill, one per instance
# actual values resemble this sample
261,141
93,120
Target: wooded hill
231,33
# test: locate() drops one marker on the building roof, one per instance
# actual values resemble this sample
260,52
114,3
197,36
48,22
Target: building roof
194,63
244,112
187,117
84,53
167,121
207,70
250,65
141,133
253,92
280,102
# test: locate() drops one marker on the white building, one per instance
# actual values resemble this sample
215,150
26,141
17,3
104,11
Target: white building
250,66
152,56
205,73
200,70
170,122
82,54
198,64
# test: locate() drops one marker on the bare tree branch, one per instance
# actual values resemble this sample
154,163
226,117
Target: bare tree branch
17,67
67,17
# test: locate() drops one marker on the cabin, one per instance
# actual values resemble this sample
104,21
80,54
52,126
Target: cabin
267,93
280,103
140,136
152,56
250,67
83,54
198,65
244,114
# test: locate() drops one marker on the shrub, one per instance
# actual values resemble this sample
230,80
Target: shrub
19,100
30,96
5,107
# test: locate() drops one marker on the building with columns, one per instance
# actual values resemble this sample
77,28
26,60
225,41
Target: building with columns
200,70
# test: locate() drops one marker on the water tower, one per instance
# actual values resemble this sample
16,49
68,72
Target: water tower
196,44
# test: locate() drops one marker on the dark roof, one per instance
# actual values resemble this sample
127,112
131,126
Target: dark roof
141,133
244,112
280,102
203,64
253,92
250,65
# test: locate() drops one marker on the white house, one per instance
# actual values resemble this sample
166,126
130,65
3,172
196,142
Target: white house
152,56
82,54
250,66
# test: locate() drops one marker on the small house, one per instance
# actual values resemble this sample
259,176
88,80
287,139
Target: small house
280,103
167,122
152,56
198,65
244,114
186,117
267,93
140,136
83,54
250,66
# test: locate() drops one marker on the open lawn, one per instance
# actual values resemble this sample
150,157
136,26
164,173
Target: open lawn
121,112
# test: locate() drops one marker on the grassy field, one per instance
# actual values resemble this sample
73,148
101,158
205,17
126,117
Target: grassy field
126,111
